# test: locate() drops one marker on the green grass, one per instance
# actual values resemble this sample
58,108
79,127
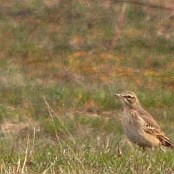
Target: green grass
82,156
60,65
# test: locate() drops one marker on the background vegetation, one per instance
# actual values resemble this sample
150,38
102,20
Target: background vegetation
61,62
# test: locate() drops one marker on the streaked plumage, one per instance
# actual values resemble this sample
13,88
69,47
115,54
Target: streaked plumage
140,127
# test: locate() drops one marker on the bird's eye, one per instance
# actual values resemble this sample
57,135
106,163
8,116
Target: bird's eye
129,96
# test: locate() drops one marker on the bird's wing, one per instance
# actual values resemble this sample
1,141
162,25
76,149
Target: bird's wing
165,141
151,127
150,121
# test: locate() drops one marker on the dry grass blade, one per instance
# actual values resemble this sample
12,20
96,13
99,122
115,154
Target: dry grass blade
53,115
50,166
51,112
26,155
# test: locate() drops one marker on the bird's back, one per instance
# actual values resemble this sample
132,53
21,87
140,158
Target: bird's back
150,121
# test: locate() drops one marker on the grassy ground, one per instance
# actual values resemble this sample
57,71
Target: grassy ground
61,62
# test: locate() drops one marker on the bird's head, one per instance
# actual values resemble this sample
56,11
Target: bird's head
128,98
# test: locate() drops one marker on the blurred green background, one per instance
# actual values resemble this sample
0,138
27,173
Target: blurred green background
61,62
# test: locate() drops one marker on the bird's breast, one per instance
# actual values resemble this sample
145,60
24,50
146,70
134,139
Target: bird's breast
130,118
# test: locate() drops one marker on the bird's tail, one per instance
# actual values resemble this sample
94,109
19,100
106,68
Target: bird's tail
165,141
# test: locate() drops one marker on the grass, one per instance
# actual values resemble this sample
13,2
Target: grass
60,65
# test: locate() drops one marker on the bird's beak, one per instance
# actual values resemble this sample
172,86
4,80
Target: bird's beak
118,95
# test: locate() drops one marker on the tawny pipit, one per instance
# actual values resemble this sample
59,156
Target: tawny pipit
140,127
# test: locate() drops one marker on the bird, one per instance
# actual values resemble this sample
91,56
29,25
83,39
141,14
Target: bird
140,126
